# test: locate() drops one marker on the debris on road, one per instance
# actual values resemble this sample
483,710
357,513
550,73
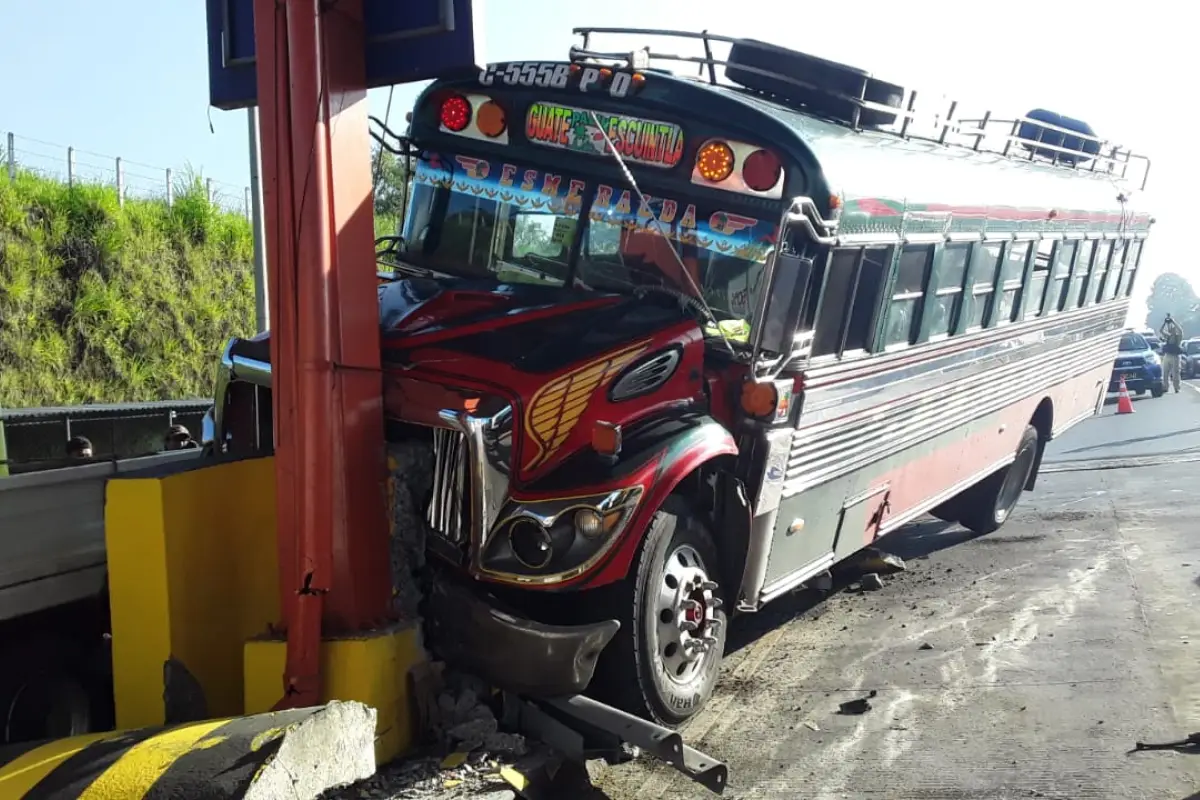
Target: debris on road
925,646
871,582
875,560
1190,743
859,706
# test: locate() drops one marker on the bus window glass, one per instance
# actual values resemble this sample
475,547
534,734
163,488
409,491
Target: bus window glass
1099,271
1131,267
947,289
1064,255
1115,270
459,225
904,309
982,281
723,252
872,276
1080,275
1011,274
836,301
1038,279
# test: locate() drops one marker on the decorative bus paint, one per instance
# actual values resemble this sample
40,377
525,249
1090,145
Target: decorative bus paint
957,303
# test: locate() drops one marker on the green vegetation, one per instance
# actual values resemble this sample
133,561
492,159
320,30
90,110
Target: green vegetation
103,302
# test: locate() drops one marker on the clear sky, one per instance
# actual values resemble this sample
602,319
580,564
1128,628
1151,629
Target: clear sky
129,77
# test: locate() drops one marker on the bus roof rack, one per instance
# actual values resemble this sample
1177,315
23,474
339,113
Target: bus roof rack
854,98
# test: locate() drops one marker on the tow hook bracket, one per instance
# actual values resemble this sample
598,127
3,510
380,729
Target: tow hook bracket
583,729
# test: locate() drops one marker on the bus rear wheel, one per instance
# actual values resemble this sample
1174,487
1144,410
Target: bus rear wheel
987,505
665,659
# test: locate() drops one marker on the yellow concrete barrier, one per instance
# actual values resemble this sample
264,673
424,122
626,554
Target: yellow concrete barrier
192,570
298,753
194,591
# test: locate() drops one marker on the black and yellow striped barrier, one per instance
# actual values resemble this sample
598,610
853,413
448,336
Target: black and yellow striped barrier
293,754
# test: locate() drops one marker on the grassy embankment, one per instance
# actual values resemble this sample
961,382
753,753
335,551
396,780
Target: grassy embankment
101,302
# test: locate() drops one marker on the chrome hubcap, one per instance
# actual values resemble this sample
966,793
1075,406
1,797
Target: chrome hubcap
687,624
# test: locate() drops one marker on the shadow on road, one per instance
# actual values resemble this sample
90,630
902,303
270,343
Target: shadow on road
913,541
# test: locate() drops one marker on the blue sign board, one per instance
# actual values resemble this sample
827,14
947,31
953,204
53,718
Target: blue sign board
406,40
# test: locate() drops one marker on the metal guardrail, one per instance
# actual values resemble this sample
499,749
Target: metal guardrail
101,411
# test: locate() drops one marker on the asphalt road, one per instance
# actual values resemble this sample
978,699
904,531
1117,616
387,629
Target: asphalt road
1022,664
1163,426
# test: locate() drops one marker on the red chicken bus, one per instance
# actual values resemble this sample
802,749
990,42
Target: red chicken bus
664,348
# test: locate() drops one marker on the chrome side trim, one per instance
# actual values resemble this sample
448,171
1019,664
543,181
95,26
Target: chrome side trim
828,450
792,580
758,557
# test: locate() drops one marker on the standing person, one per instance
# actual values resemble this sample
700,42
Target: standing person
1172,338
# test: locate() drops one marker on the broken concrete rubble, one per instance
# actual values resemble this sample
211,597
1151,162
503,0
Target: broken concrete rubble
410,467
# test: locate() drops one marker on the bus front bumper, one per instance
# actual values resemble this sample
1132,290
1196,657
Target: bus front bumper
511,652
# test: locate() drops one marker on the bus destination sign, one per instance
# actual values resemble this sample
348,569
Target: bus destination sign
644,141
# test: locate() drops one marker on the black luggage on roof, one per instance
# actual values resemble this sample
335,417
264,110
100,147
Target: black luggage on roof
818,82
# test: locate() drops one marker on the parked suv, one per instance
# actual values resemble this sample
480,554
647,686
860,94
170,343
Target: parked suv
1189,362
1139,365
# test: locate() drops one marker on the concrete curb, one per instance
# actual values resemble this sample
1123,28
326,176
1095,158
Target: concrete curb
285,755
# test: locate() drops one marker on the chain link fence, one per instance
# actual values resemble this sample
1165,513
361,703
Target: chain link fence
131,179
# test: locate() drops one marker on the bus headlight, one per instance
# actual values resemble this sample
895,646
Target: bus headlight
549,541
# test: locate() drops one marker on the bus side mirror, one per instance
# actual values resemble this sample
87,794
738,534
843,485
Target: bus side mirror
784,311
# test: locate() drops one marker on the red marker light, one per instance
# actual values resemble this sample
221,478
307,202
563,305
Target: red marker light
761,171
456,113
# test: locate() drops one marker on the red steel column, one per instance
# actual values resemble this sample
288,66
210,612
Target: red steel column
333,539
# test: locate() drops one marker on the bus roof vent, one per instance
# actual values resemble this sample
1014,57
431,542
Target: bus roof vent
1055,140
821,87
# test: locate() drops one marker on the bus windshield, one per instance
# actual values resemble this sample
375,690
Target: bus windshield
475,218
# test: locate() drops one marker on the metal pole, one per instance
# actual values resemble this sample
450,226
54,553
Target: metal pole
120,182
12,156
261,309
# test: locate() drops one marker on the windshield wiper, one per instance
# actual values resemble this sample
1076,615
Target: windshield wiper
658,227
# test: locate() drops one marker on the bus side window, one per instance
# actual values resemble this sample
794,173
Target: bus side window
903,321
1115,269
946,289
983,281
1038,279
835,302
1131,267
872,277
1099,271
1012,273
1079,276
1064,255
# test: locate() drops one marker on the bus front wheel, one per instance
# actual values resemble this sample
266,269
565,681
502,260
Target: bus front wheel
665,659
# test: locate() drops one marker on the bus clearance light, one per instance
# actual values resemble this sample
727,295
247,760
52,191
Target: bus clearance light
490,119
714,162
456,113
761,171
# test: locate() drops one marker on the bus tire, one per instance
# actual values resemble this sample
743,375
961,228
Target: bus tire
657,667
990,502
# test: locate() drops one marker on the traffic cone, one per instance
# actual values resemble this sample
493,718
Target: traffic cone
1124,403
